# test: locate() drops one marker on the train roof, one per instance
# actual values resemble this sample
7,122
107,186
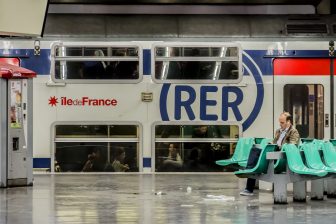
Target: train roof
189,26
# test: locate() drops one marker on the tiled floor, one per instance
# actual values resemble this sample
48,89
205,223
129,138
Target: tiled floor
149,198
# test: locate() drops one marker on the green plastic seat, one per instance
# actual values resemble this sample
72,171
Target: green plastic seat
262,163
333,141
258,140
262,144
280,164
296,164
313,158
319,143
241,152
306,140
329,155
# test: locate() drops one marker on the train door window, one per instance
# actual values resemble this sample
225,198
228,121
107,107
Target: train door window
193,148
93,63
96,148
197,63
306,103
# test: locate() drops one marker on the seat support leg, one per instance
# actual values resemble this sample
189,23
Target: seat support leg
331,188
299,191
317,187
280,191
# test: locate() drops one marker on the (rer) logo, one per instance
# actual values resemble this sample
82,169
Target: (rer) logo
196,100
53,101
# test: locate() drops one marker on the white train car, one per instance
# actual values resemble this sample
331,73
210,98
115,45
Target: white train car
109,106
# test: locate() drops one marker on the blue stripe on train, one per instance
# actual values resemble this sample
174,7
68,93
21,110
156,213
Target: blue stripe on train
147,162
45,162
41,162
41,64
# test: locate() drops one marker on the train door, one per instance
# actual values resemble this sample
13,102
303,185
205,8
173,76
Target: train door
302,87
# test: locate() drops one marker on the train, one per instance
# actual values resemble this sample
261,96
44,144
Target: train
170,104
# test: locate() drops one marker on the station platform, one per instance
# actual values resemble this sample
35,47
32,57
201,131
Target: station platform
151,198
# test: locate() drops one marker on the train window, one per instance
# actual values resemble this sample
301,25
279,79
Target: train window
193,148
96,148
306,104
197,64
81,64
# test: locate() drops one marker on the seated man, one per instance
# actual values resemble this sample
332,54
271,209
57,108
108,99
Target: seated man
285,134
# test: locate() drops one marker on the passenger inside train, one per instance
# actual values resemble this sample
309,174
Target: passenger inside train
93,69
119,164
124,69
94,162
173,161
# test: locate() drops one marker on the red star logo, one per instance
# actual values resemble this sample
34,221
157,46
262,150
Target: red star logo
53,101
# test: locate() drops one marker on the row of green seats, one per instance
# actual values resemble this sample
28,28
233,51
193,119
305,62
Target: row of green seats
316,163
280,164
242,151
313,158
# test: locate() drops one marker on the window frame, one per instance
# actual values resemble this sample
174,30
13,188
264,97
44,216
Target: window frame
53,61
138,140
201,59
183,140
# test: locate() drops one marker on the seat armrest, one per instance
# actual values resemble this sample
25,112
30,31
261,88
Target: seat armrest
275,155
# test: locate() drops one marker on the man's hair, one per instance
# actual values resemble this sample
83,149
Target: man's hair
288,116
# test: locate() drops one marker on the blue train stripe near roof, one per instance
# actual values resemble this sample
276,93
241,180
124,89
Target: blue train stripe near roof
41,63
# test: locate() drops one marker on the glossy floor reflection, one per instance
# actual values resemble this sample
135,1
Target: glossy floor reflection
149,198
